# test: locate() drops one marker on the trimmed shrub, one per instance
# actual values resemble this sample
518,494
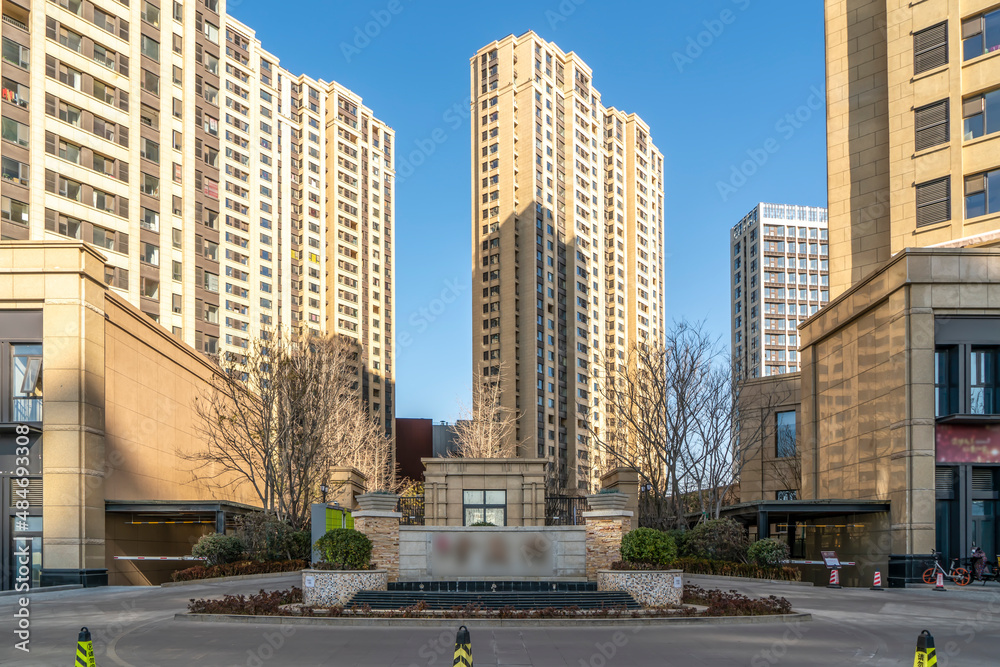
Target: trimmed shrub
483,523
345,549
646,545
268,538
301,545
239,568
718,539
218,549
680,536
264,603
729,569
731,603
768,552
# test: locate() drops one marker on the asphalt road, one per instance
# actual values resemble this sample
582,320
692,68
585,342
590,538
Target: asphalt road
135,627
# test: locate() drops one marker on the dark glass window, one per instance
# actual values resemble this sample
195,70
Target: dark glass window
489,506
784,434
945,381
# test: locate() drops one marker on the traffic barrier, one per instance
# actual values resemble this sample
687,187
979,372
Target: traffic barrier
834,579
463,648
85,650
926,656
877,585
940,582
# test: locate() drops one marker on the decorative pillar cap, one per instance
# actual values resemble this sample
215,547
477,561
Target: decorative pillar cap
376,514
599,514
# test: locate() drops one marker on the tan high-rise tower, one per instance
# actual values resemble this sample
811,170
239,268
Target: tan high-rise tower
913,113
567,231
227,193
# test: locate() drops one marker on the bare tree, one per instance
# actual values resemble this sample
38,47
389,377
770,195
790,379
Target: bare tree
487,429
653,396
280,415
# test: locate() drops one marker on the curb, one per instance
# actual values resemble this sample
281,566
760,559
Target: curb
235,577
764,581
489,622
36,591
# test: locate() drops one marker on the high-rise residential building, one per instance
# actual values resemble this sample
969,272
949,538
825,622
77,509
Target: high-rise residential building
780,269
567,232
913,109
228,194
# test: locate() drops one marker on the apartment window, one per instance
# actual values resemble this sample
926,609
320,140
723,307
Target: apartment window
178,76
211,94
981,114
149,149
70,152
103,92
211,282
103,238
178,12
933,202
176,271
784,434
15,132
69,114
149,288
149,253
981,34
150,47
177,107
26,383
70,39
212,33
150,185
103,20
150,82
16,54
73,6
151,14
70,76
15,93
104,201
150,220
212,63
149,117
177,238
982,194
62,225
14,171
104,57
931,125
484,506
930,48
14,211
178,141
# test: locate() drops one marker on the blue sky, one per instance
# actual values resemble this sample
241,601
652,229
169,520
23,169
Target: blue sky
732,91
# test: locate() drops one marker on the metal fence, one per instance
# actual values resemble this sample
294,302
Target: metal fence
412,508
564,510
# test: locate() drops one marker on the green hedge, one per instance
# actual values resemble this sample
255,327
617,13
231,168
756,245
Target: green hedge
218,549
646,545
236,569
731,569
345,549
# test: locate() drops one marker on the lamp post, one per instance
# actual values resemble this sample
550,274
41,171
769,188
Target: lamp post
323,489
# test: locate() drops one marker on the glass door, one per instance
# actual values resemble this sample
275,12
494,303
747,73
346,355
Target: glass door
984,526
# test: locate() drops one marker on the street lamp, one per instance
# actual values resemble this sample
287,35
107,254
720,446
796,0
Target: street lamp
323,489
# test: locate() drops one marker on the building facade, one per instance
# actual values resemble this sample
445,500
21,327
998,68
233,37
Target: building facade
900,376
779,262
165,135
567,245
914,163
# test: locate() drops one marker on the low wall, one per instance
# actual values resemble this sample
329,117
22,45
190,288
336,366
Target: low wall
453,553
326,588
650,588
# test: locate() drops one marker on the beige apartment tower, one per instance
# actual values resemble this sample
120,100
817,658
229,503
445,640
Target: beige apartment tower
912,114
567,233
228,194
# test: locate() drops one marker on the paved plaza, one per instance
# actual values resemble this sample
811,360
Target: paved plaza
136,627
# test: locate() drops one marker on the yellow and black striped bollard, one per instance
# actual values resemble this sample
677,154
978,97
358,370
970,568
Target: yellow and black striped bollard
463,648
926,656
85,650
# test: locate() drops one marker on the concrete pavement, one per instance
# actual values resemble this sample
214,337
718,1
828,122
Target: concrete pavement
135,627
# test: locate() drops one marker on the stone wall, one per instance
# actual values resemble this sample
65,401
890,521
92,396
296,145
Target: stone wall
382,528
649,588
333,587
531,553
605,530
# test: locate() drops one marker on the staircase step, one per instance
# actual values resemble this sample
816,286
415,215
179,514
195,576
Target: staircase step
488,600
493,586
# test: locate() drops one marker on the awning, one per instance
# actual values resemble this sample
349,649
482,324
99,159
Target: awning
762,512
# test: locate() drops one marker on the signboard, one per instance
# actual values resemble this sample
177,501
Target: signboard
968,443
310,580
830,559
